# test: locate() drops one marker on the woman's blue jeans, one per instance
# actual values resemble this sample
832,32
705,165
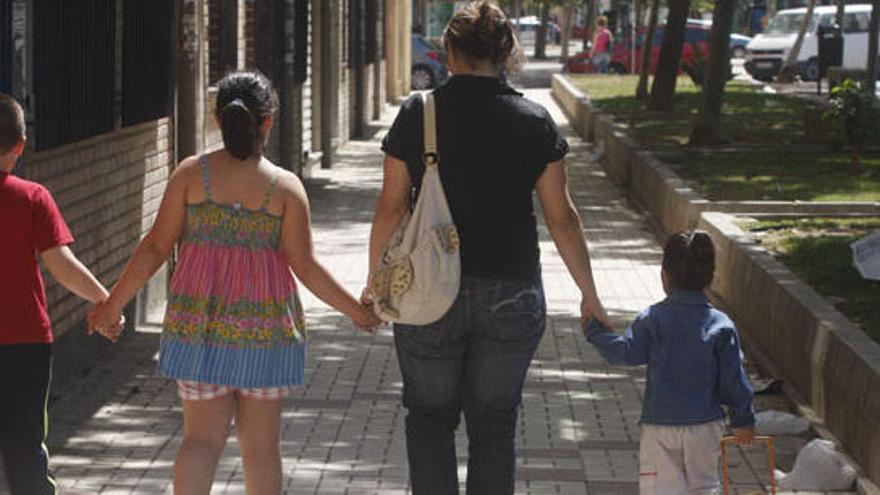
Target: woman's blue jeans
473,360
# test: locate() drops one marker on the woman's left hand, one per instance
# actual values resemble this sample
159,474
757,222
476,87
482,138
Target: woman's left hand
591,307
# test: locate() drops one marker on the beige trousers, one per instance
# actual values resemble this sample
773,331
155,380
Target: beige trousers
680,460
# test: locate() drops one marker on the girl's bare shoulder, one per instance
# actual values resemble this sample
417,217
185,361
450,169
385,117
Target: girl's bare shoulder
288,183
187,172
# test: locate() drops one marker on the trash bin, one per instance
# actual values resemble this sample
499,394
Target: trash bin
830,49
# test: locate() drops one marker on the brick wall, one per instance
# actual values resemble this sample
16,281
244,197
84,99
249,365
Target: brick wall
108,189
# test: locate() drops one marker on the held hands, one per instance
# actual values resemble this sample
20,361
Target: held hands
365,319
591,307
104,320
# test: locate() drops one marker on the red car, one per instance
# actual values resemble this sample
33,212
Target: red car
622,60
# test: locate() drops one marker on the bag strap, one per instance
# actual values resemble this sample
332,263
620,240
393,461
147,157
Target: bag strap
430,129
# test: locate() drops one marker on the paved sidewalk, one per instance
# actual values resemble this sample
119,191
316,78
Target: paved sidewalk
344,431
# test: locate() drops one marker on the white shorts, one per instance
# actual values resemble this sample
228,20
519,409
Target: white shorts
680,460
190,390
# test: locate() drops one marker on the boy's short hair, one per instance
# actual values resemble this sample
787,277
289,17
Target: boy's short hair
689,260
11,123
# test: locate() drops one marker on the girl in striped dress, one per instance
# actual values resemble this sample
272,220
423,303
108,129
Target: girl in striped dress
234,336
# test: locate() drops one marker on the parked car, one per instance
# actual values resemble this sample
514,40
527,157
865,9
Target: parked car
696,35
767,51
428,64
738,43
527,27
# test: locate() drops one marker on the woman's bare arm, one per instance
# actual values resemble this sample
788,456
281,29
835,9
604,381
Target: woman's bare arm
566,229
391,207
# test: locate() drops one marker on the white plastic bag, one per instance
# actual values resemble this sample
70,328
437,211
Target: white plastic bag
774,423
818,467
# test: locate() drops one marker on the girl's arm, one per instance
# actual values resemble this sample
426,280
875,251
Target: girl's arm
631,349
296,237
733,382
152,251
391,207
567,231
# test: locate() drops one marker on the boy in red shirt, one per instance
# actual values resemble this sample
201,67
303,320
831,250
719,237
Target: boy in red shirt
31,226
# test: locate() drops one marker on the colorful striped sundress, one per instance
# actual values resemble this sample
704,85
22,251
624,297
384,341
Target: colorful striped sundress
234,317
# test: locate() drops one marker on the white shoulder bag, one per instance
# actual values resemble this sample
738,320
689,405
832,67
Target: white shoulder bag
418,277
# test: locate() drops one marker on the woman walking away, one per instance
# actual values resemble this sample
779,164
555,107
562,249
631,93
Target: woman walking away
495,148
234,333
602,44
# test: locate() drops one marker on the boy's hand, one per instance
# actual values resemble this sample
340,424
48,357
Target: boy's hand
102,320
744,436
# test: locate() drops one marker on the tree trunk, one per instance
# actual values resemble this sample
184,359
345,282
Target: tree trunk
567,21
871,79
541,32
788,69
663,89
855,162
590,22
839,13
706,128
517,9
647,47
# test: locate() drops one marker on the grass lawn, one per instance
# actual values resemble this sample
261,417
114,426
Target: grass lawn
749,116
817,250
759,175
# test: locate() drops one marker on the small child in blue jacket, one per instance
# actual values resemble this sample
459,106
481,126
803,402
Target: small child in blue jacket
694,367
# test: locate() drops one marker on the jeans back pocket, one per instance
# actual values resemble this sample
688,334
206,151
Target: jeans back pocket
518,312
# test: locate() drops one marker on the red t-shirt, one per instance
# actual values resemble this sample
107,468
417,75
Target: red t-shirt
30,223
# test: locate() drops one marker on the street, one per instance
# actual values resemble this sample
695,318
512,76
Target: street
119,429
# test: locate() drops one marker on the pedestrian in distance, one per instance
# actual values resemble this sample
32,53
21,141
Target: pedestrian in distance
34,232
603,41
495,149
234,335
694,368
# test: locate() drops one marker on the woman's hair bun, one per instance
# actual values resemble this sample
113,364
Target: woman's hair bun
481,31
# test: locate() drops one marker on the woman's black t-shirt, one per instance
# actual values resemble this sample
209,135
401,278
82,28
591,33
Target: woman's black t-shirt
493,144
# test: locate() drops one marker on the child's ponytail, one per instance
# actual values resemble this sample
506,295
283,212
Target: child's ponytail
244,101
689,260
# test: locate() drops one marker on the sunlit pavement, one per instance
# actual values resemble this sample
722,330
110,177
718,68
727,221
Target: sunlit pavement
119,430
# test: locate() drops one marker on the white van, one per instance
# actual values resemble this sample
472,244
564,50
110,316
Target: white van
767,51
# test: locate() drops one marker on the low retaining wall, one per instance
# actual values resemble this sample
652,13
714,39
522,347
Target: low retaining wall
669,201
831,364
574,104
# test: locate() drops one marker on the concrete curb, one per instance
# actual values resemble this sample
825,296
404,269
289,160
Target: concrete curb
829,365
832,366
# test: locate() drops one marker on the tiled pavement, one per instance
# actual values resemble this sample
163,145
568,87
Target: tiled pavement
343,432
